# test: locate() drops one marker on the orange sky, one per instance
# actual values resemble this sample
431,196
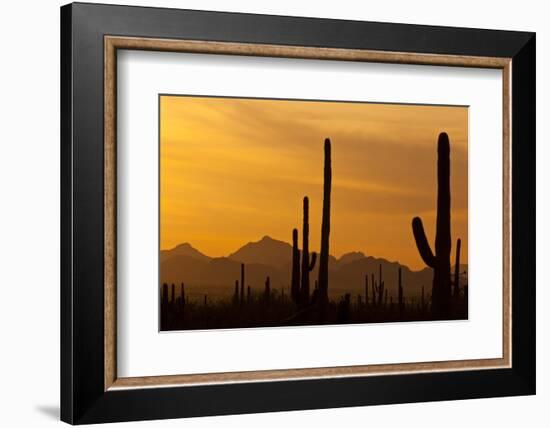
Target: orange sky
234,170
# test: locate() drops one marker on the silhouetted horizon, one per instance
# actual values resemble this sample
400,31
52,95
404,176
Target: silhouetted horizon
347,256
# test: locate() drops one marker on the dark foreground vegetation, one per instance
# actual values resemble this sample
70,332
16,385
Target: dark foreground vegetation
276,308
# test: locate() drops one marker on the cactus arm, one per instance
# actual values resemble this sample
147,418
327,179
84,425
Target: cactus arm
422,242
313,260
457,266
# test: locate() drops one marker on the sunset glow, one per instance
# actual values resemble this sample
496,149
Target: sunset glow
233,170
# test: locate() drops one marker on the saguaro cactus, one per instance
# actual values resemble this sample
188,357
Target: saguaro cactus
242,283
400,292
366,289
267,291
440,262
373,287
236,293
325,226
457,269
380,290
295,278
307,265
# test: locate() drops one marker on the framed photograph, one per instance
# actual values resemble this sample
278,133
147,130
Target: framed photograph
266,213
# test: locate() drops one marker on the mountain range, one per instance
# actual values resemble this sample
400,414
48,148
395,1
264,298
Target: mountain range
270,257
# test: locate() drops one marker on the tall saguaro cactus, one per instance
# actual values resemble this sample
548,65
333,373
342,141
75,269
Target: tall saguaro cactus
440,262
307,265
295,278
325,226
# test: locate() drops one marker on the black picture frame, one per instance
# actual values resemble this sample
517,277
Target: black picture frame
83,398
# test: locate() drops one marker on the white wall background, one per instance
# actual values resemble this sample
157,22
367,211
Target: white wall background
29,213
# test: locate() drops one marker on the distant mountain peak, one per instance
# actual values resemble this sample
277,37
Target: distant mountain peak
185,249
354,254
267,251
185,245
268,239
351,257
